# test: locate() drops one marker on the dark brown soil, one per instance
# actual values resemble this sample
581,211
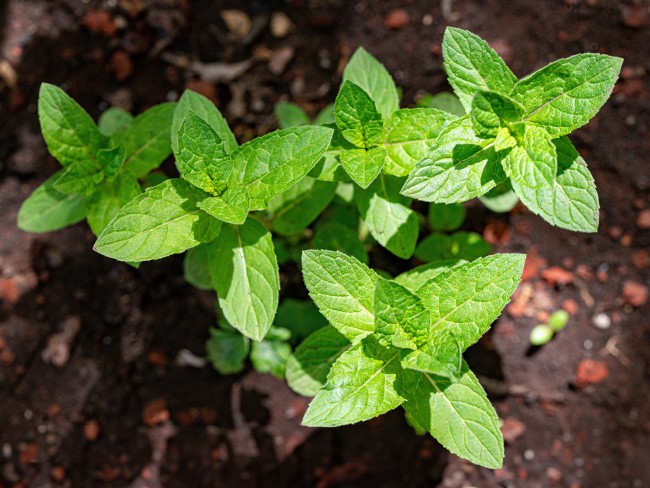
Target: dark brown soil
120,411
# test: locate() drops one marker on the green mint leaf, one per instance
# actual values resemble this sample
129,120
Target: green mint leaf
196,267
410,134
105,203
388,216
113,121
80,178
339,237
401,320
273,163
48,209
231,206
270,357
491,111
368,73
147,141
329,167
363,165
308,367
342,288
325,116
459,415
113,160
461,167
459,245
193,102
164,220
361,385
472,65
501,198
466,299
201,156
567,93
227,351
425,363
301,317
532,166
357,117
447,102
70,133
300,205
245,275
413,279
290,115
446,217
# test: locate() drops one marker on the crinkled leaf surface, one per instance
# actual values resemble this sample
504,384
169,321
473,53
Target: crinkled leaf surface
568,92
343,289
388,216
273,163
231,206
414,278
357,117
461,167
491,111
163,220
364,70
363,165
467,298
472,65
245,275
48,209
308,367
105,203
409,134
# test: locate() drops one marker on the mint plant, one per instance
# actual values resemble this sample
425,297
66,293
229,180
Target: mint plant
326,194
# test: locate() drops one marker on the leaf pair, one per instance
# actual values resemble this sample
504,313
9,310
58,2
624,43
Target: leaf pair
515,131
389,346
101,164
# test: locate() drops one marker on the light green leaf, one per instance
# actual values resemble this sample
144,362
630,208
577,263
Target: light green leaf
80,178
290,115
70,133
164,220
329,167
368,73
466,299
300,205
446,217
501,198
363,165
231,206
459,245
301,317
401,320
461,167
491,111
459,415
532,167
105,203
113,160
361,385
567,93
410,134
572,202
426,363
472,65
356,116
325,116
114,120
48,209
245,275
308,367
147,140
270,357
201,155
342,288
193,102
227,351
273,163
196,267
388,216
413,279
339,237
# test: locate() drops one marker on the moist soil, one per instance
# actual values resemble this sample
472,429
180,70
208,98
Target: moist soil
96,388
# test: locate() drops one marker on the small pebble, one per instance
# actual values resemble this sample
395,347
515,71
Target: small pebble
588,345
601,321
529,455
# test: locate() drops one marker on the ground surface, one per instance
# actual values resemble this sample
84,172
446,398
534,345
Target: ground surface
120,411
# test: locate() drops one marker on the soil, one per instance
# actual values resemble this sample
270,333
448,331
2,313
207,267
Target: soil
91,389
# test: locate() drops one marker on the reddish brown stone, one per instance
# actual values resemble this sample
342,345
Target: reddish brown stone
635,294
590,372
99,21
92,430
557,276
396,19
